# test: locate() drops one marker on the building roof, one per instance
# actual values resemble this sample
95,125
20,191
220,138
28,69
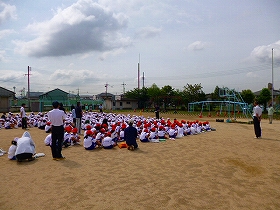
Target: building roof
103,95
7,93
275,92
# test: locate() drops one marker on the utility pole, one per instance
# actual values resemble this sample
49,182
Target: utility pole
106,88
28,85
272,88
139,73
143,80
123,87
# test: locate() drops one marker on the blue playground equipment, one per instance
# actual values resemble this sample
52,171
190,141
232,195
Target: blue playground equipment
232,100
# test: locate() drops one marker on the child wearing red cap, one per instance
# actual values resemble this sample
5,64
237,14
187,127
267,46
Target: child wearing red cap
67,136
89,141
144,136
48,127
75,138
153,137
180,130
108,142
172,132
161,132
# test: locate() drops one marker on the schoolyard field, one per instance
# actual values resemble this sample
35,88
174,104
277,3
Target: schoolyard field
222,169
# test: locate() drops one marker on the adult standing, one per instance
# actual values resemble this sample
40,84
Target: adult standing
25,148
100,108
130,135
57,118
61,107
73,115
157,111
270,112
257,116
23,116
79,115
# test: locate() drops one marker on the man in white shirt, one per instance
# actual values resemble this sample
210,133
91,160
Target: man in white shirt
23,117
57,118
257,115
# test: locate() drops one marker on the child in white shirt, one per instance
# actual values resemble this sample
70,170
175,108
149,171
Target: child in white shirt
12,149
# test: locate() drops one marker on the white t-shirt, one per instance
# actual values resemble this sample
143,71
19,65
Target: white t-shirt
22,112
257,111
12,151
88,141
56,117
107,141
48,140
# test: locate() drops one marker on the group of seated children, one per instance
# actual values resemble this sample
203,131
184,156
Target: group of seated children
99,136
71,137
107,135
155,133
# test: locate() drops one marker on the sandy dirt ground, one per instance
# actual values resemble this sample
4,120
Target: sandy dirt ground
222,169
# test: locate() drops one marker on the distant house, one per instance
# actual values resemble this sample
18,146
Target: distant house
46,99
117,102
122,102
5,99
276,94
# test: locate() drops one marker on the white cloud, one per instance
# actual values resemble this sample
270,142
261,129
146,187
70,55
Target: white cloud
83,27
264,53
5,33
147,32
198,45
7,12
251,75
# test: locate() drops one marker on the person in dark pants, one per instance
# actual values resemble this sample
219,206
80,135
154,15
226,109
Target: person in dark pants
257,115
23,117
157,111
130,135
79,115
25,148
57,118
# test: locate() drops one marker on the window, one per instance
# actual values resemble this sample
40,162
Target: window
128,102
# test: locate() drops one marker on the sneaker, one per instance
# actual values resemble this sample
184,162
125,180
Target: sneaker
30,159
61,158
2,151
131,147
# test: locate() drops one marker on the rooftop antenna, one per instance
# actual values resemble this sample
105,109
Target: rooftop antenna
28,84
272,88
143,80
106,88
139,73
123,87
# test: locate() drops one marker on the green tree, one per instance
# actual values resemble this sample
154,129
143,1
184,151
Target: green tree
141,95
193,93
248,96
154,94
167,95
264,97
215,95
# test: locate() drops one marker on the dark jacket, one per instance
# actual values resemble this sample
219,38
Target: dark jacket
130,135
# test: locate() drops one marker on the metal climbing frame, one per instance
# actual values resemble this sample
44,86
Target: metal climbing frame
232,99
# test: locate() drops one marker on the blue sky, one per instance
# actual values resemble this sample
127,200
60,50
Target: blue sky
83,45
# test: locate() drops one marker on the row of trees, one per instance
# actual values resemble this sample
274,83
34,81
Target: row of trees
170,98
166,97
